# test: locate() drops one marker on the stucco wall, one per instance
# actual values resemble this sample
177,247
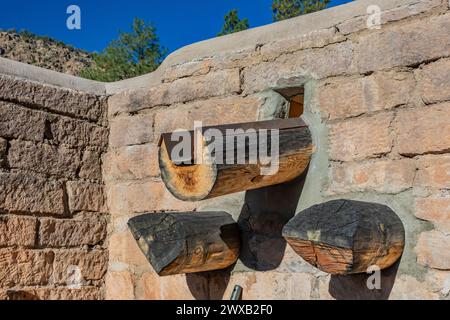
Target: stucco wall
377,102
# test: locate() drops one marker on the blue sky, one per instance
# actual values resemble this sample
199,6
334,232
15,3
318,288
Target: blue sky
179,22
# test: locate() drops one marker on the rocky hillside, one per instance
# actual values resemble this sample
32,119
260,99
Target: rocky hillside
43,52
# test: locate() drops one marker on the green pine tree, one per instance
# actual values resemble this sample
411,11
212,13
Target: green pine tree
233,24
285,9
131,55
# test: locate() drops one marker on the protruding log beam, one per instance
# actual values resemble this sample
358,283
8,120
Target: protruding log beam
204,181
176,243
346,237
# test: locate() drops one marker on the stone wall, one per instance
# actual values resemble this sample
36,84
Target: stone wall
53,217
378,103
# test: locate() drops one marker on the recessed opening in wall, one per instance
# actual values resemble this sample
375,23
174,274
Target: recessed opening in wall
295,97
296,106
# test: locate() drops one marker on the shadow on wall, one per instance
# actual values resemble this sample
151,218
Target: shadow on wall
354,287
264,214
262,218
210,285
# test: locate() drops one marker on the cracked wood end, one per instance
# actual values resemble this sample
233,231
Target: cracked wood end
177,243
347,237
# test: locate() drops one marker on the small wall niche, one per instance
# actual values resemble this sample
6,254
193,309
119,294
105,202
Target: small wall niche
295,97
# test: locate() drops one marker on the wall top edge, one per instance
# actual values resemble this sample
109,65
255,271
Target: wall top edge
256,36
49,77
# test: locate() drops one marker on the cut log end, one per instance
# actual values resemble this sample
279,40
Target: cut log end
347,237
186,182
177,243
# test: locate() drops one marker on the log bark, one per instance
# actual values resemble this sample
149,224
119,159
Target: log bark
177,243
204,181
347,237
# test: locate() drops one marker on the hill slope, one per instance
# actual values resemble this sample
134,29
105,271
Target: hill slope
43,52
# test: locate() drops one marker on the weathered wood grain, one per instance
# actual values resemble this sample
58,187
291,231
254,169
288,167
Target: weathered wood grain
346,237
176,243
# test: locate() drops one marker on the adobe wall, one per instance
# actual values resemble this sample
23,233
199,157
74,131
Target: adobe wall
53,217
377,102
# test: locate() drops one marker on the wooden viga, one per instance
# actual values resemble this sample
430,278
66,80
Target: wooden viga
232,167
187,242
346,237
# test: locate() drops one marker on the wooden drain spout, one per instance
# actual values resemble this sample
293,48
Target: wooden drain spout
212,179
